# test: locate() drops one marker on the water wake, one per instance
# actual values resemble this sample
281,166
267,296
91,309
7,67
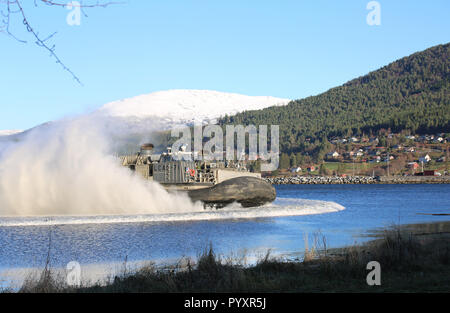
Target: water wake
281,207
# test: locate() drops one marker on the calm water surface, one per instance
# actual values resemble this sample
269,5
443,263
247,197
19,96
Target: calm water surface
367,207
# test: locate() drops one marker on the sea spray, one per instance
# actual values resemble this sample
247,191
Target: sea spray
281,207
67,168
65,172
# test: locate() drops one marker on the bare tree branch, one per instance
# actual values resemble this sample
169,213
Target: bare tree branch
10,8
94,5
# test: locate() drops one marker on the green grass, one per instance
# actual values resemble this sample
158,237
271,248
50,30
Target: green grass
348,168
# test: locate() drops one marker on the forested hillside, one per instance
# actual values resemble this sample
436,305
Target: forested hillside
409,94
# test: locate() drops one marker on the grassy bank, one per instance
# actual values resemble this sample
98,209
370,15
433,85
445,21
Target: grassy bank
410,262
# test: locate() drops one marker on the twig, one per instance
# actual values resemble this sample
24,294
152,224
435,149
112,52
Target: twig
15,7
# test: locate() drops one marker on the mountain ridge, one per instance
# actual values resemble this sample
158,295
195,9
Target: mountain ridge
410,93
187,106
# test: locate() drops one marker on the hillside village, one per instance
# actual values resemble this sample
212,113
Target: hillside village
381,155
391,121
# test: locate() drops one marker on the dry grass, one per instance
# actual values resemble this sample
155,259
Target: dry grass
408,262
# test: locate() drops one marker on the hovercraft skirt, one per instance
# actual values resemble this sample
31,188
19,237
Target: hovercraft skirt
246,190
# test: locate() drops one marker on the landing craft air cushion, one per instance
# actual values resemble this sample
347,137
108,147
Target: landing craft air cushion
216,184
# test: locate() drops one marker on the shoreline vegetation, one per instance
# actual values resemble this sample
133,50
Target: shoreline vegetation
413,258
348,179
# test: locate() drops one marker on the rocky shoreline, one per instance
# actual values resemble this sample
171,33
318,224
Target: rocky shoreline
313,180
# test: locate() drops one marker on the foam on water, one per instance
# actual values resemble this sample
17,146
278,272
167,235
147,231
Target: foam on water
281,207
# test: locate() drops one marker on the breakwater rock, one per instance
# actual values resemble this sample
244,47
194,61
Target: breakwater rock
295,180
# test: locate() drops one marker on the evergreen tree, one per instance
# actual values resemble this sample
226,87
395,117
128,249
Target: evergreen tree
284,161
293,160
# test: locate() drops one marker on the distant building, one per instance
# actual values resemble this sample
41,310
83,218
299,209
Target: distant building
429,173
374,152
425,159
332,155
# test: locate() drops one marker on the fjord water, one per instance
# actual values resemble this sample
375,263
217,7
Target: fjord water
343,214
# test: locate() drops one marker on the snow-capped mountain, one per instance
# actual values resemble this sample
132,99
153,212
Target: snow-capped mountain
175,107
9,132
130,122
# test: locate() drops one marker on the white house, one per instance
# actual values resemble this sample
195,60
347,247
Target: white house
333,155
425,159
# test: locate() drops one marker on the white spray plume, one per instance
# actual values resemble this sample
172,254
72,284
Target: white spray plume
66,168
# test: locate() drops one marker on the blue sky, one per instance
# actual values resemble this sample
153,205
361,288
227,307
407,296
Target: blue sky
288,49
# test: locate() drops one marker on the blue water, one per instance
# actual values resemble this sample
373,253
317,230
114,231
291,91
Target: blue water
367,207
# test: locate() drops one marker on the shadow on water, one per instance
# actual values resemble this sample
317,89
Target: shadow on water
420,229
